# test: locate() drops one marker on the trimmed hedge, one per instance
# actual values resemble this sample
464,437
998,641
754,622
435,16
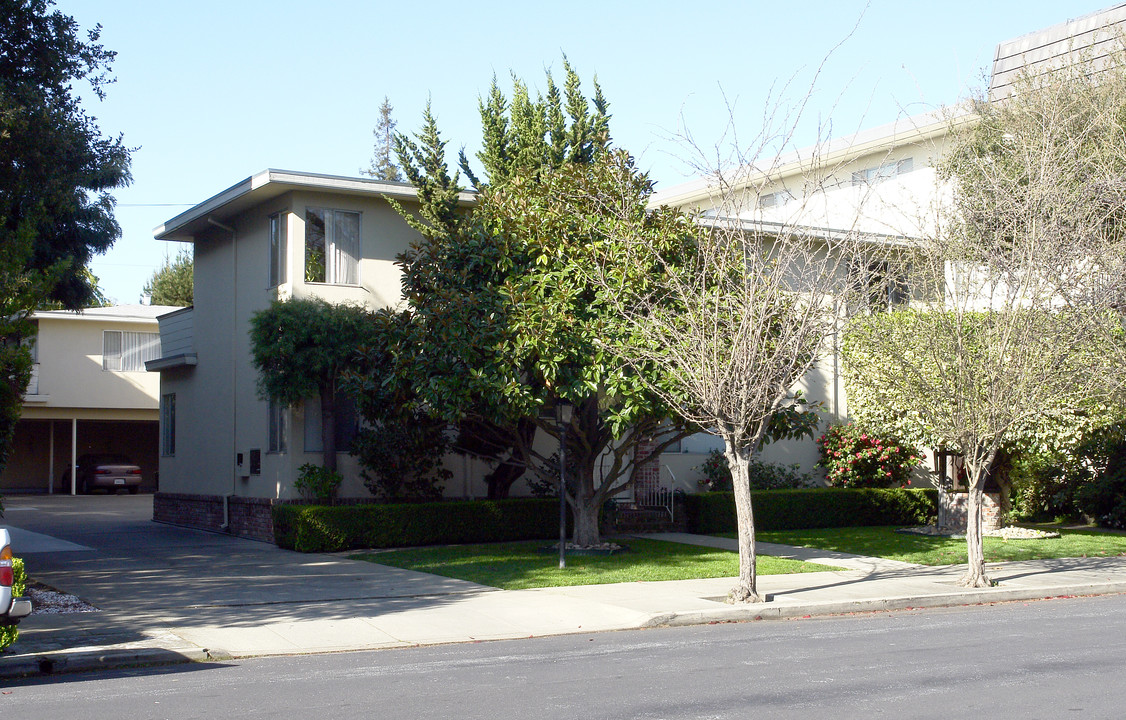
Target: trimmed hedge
818,508
319,528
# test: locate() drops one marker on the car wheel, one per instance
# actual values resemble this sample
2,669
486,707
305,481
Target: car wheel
133,489
84,489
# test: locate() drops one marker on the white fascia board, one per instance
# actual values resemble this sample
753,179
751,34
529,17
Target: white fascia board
167,230
270,183
915,129
768,227
93,315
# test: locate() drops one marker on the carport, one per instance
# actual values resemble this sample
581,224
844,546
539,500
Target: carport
44,448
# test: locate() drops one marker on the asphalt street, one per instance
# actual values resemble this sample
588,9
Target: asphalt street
1046,659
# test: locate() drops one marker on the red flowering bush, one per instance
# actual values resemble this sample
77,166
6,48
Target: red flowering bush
853,458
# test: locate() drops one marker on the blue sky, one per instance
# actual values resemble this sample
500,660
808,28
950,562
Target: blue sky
211,92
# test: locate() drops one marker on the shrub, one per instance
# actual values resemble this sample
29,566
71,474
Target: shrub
853,458
318,483
9,633
1067,485
1043,490
402,459
717,474
1104,498
319,528
814,508
763,476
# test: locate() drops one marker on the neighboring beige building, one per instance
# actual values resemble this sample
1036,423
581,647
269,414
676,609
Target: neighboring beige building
89,393
879,184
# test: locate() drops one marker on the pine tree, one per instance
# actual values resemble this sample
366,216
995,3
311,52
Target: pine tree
383,166
172,284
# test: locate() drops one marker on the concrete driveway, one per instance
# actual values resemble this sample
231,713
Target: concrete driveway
144,576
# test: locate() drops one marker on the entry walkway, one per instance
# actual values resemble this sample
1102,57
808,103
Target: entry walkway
170,594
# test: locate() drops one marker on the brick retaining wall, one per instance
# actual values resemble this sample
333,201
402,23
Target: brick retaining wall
249,516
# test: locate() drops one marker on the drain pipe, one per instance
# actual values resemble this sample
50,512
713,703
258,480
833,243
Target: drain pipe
226,526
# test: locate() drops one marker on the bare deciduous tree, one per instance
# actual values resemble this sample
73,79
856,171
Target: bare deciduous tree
1013,328
740,317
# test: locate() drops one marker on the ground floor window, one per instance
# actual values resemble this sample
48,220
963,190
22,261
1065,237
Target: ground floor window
279,430
168,424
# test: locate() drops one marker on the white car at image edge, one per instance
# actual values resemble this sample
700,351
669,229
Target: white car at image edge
12,609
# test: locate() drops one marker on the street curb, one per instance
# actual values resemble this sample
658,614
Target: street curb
65,662
768,611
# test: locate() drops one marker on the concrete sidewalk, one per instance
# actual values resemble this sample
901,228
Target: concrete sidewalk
212,598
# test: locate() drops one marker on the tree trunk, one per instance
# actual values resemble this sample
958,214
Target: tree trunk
746,590
975,567
1001,472
586,531
328,428
501,478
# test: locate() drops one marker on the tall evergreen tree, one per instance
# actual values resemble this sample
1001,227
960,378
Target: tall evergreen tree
505,327
173,283
56,174
383,165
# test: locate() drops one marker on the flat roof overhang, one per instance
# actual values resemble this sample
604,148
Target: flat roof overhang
270,184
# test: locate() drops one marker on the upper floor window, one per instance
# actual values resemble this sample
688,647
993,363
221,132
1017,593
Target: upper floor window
884,171
775,199
277,249
128,351
332,246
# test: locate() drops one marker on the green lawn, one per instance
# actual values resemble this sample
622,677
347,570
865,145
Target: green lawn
886,543
522,565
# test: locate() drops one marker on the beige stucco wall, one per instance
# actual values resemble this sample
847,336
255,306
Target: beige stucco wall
112,411
219,413
70,367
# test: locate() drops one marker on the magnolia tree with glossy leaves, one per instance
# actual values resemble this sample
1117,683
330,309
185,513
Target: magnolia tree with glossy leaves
505,325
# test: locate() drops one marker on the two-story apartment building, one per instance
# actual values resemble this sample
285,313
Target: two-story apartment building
226,454
89,393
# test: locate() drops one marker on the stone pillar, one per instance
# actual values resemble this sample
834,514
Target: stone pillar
952,511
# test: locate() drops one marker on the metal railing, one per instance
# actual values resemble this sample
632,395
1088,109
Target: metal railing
657,496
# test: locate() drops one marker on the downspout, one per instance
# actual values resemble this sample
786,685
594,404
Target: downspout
226,526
